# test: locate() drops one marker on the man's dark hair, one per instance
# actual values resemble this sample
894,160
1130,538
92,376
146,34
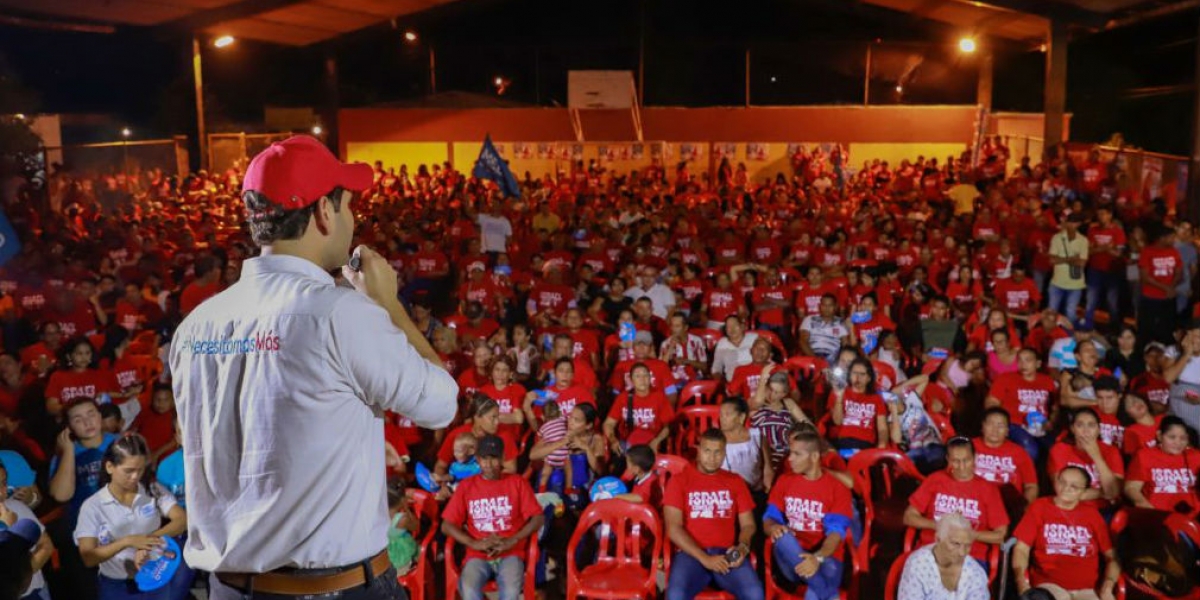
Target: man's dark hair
204,265
270,222
1107,383
996,410
713,434
810,439
110,411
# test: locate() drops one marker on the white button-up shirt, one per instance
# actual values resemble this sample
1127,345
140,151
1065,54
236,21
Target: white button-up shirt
280,382
107,520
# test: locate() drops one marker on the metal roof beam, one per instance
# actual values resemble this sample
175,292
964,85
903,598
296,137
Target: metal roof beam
232,12
1054,11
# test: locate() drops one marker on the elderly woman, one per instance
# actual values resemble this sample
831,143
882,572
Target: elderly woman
941,570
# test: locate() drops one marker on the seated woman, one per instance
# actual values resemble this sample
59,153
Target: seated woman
509,395
562,388
744,453
1164,477
484,420
941,571
861,414
589,453
1082,448
1061,541
775,416
639,416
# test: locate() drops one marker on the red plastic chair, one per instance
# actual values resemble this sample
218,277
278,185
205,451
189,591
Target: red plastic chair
419,579
807,367
775,592
710,336
704,391
893,577
454,565
670,465
943,424
621,574
691,422
708,594
895,464
1179,525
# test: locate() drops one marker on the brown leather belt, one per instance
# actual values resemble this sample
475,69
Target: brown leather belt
299,584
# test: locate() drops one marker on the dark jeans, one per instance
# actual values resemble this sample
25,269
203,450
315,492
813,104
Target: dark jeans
383,587
823,585
1035,447
689,577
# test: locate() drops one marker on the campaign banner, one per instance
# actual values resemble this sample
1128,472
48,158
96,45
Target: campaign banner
758,151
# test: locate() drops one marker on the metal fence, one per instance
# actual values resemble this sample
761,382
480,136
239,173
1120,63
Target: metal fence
234,150
93,160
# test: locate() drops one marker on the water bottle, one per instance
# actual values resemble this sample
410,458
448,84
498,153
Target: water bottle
1035,423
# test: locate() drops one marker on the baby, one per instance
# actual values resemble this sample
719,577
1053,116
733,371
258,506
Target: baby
464,464
554,429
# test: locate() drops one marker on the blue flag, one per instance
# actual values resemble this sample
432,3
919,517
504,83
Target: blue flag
10,244
491,166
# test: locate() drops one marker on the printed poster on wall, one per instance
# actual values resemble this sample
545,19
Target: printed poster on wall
576,151
725,151
607,153
544,151
757,152
637,151
562,152
657,150
522,150
623,152
691,152
500,149
1151,177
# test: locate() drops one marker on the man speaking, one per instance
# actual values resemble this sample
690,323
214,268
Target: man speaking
281,381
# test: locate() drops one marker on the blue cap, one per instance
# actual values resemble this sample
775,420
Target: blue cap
24,531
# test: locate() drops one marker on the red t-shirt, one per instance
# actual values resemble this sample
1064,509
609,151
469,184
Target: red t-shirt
195,293
1006,465
157,428
650,489
81,320
1139,436
805,502
510,399
770,316
567,399
1162,264
746,378
1152,387
71,385
31,354
861,412
1112,431
720,304
710,504
470,382
1064,455
1066,545
1112,235
941,494
1021,297
1168,478
1020,397
493,507
446,452
651,413
661,377
426,264
549,298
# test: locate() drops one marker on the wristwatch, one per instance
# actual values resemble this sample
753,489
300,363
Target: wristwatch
820,559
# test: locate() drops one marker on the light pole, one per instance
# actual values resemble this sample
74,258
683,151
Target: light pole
198,75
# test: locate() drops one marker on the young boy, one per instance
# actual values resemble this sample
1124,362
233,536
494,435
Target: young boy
554,429
645,486
464,464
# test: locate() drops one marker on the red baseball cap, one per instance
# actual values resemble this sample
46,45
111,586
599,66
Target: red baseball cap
300,170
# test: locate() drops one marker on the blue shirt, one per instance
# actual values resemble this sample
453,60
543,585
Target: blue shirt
170,475
88,464
19,473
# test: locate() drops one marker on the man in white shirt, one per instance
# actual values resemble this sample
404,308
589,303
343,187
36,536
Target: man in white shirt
661,297
281,382
494,229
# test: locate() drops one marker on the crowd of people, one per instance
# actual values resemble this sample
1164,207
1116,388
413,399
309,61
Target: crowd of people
1023,336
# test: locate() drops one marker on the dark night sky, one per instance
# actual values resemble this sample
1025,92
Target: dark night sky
693,58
